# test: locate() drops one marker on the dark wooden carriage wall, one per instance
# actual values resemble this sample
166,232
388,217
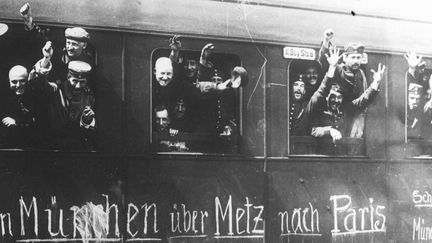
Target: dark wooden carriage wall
127,192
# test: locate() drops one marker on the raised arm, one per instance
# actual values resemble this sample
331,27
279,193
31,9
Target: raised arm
175,45
370,93
30,25
414,62
326,45
319,96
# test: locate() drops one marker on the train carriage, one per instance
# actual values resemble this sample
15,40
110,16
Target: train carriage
270,186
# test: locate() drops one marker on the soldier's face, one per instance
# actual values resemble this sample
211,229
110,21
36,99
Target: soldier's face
312,75
335,101
180,109
190,68
77,83
18,86
298,90
413,100
164,74
162,121
353,60
74,48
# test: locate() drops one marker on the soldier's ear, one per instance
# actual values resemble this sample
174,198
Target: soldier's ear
85,45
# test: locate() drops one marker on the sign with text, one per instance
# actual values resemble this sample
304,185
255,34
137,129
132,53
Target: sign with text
299,53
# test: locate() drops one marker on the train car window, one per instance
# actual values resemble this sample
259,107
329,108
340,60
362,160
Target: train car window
418,113
320,122
46,105
191,114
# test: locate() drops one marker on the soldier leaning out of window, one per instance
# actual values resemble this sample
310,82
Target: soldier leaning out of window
331,121
25,105
419,103
72,106
76,47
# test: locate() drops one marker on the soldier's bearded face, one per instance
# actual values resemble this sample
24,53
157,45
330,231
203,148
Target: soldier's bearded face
18,86
164,74
312,75
335,101
298,90
74,48
353,60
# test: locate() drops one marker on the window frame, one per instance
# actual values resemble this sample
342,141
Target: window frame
237,59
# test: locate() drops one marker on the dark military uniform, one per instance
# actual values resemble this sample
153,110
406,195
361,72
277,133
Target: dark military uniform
69,130
353,84
29,110
299,119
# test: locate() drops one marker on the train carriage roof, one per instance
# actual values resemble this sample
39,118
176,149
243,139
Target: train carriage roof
380,27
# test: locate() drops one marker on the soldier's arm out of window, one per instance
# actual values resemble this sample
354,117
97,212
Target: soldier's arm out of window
320,132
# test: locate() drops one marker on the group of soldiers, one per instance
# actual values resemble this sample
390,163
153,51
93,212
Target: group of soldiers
419,103
336,107
194,108
51,104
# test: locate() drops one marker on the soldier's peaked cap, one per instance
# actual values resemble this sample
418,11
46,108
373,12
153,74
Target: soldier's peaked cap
299,78
79,69
77,33
354,48
415,88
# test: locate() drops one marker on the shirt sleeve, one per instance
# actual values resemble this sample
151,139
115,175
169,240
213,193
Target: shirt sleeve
320,132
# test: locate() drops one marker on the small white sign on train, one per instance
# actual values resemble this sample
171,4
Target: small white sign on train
364,58
299,53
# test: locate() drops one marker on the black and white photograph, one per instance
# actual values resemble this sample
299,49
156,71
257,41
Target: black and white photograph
216,121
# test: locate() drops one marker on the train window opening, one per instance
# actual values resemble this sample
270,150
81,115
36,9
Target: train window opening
418,113
195,108
48,97
320,122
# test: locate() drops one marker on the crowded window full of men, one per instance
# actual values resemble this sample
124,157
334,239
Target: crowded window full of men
51,105
195,97
329,99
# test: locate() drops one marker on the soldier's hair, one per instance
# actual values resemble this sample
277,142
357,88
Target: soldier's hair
160,108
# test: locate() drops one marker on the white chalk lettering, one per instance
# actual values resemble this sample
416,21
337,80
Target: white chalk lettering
108,208
186,221
50,220
227,212
420,231
23,208
304,221
342,208
147,208
2,217
129,218
258,220
226,215
422,199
